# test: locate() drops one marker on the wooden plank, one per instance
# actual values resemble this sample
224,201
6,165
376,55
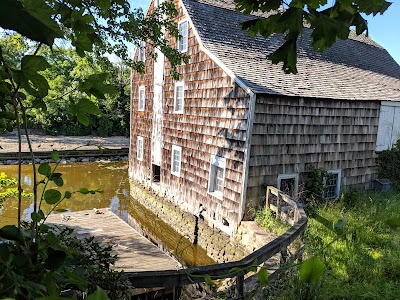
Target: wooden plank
135,252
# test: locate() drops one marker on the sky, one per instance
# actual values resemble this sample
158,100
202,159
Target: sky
383,29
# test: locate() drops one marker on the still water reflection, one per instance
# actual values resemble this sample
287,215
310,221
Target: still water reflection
112,179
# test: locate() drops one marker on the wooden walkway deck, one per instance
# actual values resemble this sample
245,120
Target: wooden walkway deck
134,251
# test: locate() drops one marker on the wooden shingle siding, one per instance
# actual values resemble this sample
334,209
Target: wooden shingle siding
213,122
290,133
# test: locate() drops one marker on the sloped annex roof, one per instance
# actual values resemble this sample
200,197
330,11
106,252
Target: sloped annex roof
353,69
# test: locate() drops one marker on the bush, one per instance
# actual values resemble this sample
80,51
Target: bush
388,165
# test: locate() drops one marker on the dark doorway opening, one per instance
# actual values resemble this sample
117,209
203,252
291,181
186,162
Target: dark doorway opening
156,173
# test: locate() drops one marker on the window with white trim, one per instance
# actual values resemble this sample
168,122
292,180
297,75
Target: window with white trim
288,183
142,51
179,97
140,147
142,98
217,175
176,158
183,32
332,184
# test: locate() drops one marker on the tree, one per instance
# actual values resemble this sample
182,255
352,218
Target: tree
34,259
289,18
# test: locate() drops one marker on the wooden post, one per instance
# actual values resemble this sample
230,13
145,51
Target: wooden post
239,289
278,205
267,197
296,214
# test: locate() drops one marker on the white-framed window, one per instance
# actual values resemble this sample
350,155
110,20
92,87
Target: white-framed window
217,175
142,98
332,184
139,148
142,51
176,158
288,183
183,32
179,97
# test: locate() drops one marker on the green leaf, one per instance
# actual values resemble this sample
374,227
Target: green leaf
44,169
31,64
37,216
4,252
55,156
208,280
60,210
67,195
55,259
11,232
99,294
263,276
52,196
311,270
83,108
57,179
104,5
7,115
84,191
29,21
76,280
235,270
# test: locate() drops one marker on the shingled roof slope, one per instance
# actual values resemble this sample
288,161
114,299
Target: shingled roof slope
354,69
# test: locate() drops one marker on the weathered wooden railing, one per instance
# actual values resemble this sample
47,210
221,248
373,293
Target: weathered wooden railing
285,208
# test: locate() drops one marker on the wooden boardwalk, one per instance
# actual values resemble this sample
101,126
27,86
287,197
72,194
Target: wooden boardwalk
134,251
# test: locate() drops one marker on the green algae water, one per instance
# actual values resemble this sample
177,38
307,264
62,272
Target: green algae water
112,179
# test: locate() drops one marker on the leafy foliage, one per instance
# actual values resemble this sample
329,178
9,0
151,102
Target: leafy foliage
329,22
7,189
387,166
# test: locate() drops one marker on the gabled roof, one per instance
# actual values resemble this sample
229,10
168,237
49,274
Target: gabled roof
357,68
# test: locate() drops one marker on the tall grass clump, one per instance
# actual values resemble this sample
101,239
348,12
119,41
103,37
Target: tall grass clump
360,251
266,219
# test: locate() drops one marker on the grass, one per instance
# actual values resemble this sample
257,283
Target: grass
362,257
266,219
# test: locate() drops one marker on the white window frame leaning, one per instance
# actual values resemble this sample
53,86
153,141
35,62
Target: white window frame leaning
179,149
185,36
215,163
140,106
142,51
338,173
289,176
139,148
179,84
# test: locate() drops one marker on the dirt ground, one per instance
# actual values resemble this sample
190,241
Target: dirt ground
9,142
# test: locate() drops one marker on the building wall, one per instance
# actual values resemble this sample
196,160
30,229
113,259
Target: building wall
290,133
213,123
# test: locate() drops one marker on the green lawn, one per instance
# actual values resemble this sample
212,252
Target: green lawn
362,257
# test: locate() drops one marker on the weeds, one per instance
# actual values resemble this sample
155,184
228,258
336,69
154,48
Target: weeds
266,219
364,263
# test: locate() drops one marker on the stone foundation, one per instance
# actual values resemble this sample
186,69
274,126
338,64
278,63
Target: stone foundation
219,246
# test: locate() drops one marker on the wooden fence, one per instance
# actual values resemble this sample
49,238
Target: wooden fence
285,208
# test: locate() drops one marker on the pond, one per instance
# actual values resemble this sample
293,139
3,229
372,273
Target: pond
112,179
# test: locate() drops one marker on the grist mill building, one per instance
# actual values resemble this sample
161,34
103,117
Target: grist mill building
234,122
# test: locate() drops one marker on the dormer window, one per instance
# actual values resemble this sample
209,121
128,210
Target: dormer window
183,39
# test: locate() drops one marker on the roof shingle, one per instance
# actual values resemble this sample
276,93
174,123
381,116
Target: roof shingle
353,69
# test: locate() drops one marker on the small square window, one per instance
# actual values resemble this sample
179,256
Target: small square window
139,148
217,174
183,32
288,183
179,97
176,158
142,51
142,98
332,185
